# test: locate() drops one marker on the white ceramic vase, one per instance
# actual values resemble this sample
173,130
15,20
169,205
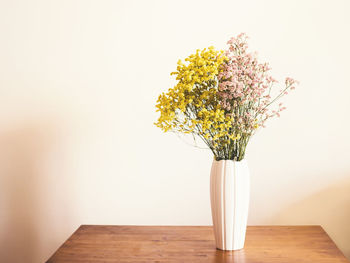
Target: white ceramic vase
229,194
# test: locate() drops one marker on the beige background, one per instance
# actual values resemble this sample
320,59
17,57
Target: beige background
78,84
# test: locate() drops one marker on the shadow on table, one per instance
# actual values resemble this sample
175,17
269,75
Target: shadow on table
229,256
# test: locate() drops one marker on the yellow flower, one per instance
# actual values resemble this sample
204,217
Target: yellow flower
192,106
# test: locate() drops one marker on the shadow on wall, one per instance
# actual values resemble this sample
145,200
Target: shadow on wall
329,208
32,202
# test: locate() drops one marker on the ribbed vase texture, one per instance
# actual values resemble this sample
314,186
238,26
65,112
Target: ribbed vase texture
229,194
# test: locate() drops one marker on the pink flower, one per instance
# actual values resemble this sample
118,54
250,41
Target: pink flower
245,85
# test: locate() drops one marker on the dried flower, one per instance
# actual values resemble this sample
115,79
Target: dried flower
222,97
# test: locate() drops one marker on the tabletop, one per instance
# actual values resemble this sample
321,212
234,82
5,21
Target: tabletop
270,244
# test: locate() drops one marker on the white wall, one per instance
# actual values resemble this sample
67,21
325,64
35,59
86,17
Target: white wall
78,84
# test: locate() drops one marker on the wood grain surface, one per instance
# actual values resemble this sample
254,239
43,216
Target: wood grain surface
270,244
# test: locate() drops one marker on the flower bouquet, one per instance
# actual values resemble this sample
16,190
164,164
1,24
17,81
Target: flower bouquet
223,97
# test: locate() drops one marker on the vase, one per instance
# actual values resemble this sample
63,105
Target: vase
229,194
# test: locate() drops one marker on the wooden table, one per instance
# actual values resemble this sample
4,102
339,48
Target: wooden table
270,244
